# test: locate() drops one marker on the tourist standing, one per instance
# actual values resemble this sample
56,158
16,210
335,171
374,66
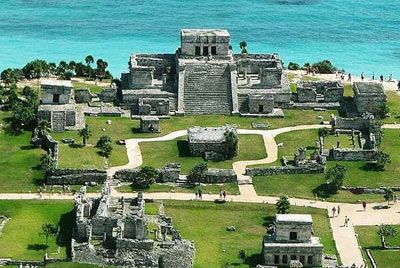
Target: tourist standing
338,210
362,76
390,77
333,212
373,76
224,194
364,204
346,220
197,194
381,77
398,85
200,194
220,194
349,77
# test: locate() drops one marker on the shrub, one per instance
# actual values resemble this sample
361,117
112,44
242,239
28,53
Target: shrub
335,177
197,173
324,67
232,142
283,205
381,159
293,66
145,177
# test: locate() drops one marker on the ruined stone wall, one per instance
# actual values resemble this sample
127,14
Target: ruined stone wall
270,252
283,229
347,154
48,91
277,170
199,149
181,255
161,62
82,96
372,103
358,123
70,176
334,94
215,175
306,95
108,95
46,142
254,66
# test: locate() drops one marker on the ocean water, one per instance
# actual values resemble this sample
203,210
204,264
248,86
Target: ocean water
356,35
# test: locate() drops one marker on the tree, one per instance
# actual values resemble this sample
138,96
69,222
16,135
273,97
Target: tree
8,76
243,47
89,60
47,162
323,132
324,67
232,142
381,159
293,66
105,145
44,125
36,69
145,177
197,173
388,195
335,177
283,205
85,133
49,229
377,130
22,116
386,231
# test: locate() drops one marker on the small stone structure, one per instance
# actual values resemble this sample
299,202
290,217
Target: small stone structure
58,106
369,97
114,231
210,142
321,91
69,176
83,95
149,124
292,240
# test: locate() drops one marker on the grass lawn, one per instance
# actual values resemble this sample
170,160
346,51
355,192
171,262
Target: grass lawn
344,139
369,239
93,88
357,173
393,102
206,222
157,154
230,188
21,237
19,161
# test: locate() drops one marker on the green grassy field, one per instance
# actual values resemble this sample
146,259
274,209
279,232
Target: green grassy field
21,237
393,102
369,239
93,88
230,188
157,154
206,222
19,161
357,174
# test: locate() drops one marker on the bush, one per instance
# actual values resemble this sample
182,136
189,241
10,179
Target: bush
324,67
197,173
145,177
381,159
293,66
232,142
283,205
335,177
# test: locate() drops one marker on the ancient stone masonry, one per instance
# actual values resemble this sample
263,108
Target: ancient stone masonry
169,173
83,96
321,94
58,106
43,139
290,239
114,231
369,97
149,124
69,176
299,165
210,142
205,77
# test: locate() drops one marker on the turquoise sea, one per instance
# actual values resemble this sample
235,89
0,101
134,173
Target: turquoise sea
357,35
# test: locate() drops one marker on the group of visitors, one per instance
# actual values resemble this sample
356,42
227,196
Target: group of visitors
336,213
222,194
199,194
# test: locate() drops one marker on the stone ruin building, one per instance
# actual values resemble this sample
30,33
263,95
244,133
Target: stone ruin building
58,106
321,94
149,124
114,231
210,142
291,240
369,97
204,77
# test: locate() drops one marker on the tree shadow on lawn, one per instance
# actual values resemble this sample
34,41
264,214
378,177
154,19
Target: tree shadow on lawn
76,145
268,220
371,167
28,147
323,191
64,237
183,148
37,247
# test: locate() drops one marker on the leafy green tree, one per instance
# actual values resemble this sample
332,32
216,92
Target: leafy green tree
323,132
36,69
145,177
197,173
377,130
232,142
47,162
381,159
388,195
23,116
8,76
283,205
324,67
293,66
243,47
85,134
49,229
335,177
386,231
105,145
89,60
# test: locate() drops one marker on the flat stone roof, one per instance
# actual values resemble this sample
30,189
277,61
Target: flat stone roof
313,243
204,32
54,82
149,118
208,134
368,88
299,218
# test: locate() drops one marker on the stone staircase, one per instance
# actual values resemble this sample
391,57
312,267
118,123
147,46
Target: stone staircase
207,89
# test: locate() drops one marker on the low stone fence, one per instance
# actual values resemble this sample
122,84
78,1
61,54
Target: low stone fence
25,263
347,154
75,176
46,142
215,175
169,173
277,170
126,175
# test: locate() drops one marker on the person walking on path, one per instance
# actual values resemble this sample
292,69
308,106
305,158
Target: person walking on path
398,85
381,78
362,76
349,78
333,212
197,194
200,194
220,194
364,204
345,221
338,210
224,194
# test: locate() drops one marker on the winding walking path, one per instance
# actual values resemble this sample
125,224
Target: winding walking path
345,237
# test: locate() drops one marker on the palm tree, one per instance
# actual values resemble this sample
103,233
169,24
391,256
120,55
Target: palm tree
89,59
283,205
85,133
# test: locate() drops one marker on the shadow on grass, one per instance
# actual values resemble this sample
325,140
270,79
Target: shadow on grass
37,247
253,260
183,148
64,237
323,191
28,147
268,220
371,167
136,130
76,145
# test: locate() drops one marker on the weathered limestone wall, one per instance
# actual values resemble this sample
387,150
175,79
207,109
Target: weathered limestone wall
214,175
270,253
75,176
306,95
82,96
270,171
48,91
357,123
347,154
283,231
108,95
